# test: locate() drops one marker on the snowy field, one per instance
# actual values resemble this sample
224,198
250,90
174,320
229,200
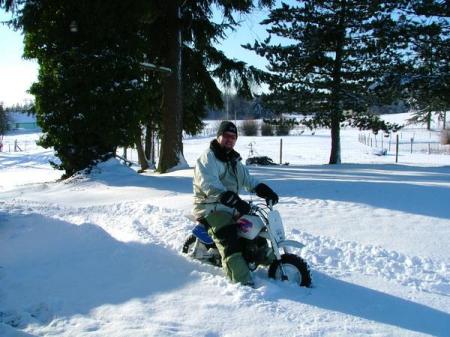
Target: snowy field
99,255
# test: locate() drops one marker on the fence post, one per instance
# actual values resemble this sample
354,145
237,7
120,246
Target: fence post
396,150
412,141
281,151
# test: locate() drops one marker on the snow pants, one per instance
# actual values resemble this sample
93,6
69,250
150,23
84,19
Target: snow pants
223,231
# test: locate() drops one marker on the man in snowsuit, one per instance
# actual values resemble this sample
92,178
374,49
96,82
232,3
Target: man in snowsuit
218,176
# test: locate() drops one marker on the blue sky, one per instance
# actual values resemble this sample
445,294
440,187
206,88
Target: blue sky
17,74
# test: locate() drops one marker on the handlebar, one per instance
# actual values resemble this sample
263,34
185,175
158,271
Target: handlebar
255,207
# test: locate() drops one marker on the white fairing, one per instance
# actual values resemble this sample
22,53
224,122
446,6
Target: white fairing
249,226
276,225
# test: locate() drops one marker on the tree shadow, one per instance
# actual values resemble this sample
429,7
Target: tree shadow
13,159
411,189
351,299
59,269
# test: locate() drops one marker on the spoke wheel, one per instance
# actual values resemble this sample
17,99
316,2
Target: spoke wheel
295,270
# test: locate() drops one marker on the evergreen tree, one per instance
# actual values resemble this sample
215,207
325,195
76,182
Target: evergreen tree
90,89
428,83
3,120
182,36
332,52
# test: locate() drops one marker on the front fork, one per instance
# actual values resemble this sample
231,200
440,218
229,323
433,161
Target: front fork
276,250
283,245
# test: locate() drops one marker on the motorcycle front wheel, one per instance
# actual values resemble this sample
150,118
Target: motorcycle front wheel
295,270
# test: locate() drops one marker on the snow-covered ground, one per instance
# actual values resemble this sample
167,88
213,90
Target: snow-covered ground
99,255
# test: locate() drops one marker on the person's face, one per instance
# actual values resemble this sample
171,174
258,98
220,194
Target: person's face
227,140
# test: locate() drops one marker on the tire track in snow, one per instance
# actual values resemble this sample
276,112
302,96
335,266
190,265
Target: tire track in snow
342,258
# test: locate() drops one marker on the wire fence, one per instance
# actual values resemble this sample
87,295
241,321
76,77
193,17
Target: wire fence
409,141
14,145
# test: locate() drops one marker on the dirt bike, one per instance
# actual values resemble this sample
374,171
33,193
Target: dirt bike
261,228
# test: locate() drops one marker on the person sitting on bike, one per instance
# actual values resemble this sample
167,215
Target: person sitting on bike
219,175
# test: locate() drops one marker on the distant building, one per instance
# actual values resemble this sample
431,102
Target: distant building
20,120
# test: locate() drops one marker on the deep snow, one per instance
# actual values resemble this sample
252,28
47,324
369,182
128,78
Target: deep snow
98,255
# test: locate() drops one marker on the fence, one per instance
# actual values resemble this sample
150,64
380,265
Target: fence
208,131
17,146
412,142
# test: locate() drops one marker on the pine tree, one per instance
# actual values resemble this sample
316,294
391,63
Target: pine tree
174,33
428,81
181,37
331,53
90,89
3,120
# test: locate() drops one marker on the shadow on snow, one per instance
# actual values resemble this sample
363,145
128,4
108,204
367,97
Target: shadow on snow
351,299
73,269
411,189
77,268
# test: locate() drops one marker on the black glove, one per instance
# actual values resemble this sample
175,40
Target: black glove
265,192
232,200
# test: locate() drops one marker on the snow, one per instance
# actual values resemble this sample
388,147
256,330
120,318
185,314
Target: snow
99,254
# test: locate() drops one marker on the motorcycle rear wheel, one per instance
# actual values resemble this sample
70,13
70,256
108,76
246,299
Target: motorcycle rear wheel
189,248
295,268
188,244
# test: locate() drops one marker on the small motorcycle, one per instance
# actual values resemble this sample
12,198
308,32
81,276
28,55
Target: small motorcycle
261,228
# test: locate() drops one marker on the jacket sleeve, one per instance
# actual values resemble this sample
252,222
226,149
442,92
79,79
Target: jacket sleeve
206,178
249,182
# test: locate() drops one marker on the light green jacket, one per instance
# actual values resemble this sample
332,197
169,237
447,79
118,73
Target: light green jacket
213,177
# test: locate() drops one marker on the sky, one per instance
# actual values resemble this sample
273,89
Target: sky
17,74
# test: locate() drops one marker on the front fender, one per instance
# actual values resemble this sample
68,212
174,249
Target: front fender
290,243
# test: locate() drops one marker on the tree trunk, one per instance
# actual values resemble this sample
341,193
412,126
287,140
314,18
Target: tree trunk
172,109
444,120
141,154
335,155
150,145
429,120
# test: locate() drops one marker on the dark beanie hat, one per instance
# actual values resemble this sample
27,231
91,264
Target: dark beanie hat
227,126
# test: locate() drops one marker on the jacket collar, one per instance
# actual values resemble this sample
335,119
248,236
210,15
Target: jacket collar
222,155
